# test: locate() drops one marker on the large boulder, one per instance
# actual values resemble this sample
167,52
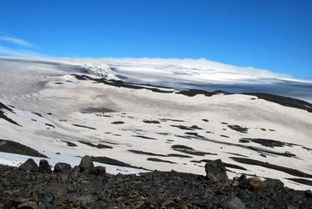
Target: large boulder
86,163
75,171
62,168
274,183
44,166
29,165
98,171
254,184
215,170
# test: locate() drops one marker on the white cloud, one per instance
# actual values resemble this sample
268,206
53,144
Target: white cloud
16,41
4,51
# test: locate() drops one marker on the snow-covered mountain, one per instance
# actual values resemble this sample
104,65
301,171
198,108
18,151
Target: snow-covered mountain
136,115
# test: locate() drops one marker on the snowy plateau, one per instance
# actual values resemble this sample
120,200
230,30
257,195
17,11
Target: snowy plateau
138,115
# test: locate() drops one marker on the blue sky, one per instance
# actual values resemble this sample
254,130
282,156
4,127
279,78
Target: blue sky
266,34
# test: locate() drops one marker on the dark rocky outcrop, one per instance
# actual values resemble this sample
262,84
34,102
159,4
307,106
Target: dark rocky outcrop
190,150
29,165
215,170
20,188
285,101
273,183
86,163
98,171
151,121
44,166
238,128
160,160
4,116
290,171
82,126
17,148
100,146
62,168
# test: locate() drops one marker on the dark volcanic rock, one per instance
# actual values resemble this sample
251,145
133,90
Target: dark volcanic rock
146,153
194,92
273,183
62,168
290,171
17,148
119,83
244,140
238,128
82,126
100,146
167,190
190,150
70,144
215,170
191,128
301,181
3,116
144,137
151,121
29,165
44,166
285,101
98,171
48,124
111,161
86,163
271,143
160,160
117,122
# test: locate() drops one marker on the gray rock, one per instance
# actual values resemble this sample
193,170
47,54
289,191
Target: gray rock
243,177
274,183
62,168
86,163
46,197
233,203
215,170
98,171
28,205
235,183
44,166
291,207
75,170
29,165
86,199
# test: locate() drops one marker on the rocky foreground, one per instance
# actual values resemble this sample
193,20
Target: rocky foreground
31,186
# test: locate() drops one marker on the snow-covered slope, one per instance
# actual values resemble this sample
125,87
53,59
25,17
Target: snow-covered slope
62,111
181,73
